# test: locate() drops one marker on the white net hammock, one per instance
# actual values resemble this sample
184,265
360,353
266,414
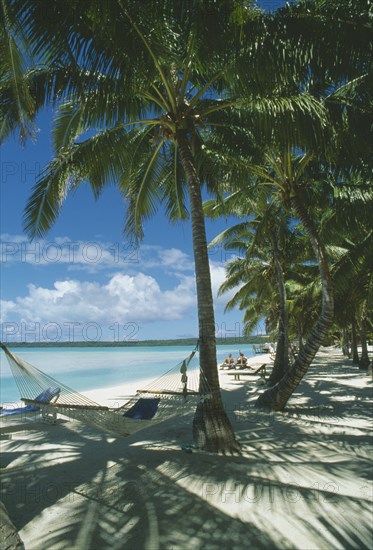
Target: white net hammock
171,394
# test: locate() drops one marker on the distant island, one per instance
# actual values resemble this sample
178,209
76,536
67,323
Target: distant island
233,340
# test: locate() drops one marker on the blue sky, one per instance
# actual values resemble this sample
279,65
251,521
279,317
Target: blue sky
84,281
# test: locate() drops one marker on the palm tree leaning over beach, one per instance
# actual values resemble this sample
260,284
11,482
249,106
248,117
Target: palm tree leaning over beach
300,181
149,89
291,178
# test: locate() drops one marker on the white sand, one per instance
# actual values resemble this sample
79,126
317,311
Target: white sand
302,481
116,396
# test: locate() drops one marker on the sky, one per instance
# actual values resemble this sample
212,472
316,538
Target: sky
84,281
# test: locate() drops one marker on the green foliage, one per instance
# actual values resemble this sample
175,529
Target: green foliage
126,79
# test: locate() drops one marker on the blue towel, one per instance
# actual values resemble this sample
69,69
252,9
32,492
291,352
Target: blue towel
45,397
143,409
19,410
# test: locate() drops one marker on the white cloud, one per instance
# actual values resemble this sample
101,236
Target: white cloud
217,278
172,260
138,294
135,297
123,299
6,308
176,259
218,274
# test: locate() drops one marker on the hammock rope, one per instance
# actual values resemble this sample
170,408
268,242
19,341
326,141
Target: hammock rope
171,394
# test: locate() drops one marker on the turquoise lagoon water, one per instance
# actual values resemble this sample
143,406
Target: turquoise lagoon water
91,368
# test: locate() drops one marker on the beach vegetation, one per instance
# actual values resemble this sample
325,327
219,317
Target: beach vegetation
161,105
261,242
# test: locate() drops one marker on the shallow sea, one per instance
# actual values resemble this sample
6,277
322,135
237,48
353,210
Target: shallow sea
85,369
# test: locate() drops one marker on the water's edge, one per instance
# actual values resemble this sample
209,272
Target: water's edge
85,369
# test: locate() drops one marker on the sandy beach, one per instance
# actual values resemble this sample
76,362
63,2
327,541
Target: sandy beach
303,479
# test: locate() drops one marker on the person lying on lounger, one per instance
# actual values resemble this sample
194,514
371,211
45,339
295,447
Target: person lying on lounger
228,362
241,361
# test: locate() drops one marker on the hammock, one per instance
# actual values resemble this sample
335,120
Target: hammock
169,395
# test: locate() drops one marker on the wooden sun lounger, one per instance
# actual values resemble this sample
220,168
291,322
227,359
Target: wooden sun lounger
261,371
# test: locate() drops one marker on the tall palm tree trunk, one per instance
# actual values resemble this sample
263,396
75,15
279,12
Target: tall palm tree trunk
275,398
354,351
300,333
281,362
212,429
364,358
345,342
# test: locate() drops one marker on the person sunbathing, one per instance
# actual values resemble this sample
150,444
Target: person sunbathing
228,362
241,361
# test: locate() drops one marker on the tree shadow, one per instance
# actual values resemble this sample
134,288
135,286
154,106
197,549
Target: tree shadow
303,480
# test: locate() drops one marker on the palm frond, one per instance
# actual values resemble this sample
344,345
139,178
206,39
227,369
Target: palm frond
17,103
100,160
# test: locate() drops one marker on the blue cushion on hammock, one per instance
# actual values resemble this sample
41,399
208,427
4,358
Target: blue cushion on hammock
143,409
48,394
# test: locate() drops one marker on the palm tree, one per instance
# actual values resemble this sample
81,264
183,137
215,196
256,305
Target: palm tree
261,239
150,89
290,177
347,98
304,299
157,122
346,104
353,268
347,234
20,105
